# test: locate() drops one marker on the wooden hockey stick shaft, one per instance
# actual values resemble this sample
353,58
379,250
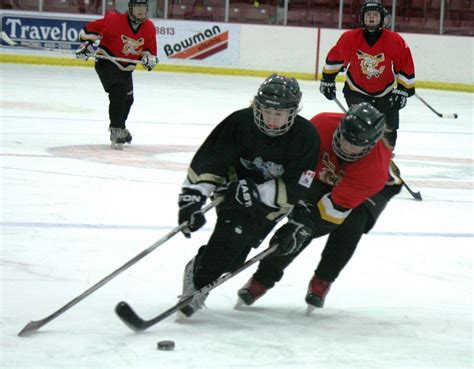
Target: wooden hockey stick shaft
35,325
10,42
340,105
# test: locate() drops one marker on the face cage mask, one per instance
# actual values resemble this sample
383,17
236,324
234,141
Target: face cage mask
272,132
337,147
132,16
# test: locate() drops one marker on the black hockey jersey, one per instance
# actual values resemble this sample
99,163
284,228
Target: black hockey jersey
281,166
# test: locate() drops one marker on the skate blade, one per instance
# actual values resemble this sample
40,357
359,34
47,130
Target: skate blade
116,146
181,317
309,309
240,305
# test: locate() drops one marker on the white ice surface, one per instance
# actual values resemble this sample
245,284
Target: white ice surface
73,211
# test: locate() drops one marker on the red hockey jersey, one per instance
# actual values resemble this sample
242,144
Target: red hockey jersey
119,39
372,70
352,182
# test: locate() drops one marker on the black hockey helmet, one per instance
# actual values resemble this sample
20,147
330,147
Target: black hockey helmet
278,93
372,5
133,17
358,132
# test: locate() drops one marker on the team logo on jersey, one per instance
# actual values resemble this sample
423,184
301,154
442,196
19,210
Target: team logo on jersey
132,46
329,173
268,169
369,63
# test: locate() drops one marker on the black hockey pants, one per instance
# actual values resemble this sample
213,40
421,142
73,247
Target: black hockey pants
119,86
340,245
382,104
235,234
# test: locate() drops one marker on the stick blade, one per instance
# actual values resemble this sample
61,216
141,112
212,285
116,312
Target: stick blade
450,116
417,196
31,327
128,316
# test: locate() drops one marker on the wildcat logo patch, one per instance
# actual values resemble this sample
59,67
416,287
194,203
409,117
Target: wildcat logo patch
369,64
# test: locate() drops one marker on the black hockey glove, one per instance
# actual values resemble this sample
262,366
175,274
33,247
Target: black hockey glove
295,234
398,99
291,238
84,51
242,195
190,205
328,89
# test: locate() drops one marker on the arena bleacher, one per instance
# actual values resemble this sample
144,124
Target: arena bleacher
456,17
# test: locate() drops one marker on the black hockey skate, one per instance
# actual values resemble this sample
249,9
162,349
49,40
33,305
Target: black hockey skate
118,137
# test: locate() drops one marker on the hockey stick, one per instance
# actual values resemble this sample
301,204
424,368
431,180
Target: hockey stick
134,322
35,325
340,105
10,42
415,195
448,116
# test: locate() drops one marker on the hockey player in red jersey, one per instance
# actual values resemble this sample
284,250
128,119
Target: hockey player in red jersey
379,67
353,166
261,159
132,36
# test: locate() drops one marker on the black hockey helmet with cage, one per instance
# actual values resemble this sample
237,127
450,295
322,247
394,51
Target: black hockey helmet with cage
362,126
131,5
279,93
372,5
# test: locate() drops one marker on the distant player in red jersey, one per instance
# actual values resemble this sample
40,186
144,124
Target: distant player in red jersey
379,67
132,36
352,167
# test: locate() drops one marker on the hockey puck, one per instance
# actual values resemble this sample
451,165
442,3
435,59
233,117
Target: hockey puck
165,345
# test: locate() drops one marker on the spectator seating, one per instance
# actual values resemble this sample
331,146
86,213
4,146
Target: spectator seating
419,16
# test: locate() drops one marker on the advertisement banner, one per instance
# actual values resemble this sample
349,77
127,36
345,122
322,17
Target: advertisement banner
41,31
198,43
179,42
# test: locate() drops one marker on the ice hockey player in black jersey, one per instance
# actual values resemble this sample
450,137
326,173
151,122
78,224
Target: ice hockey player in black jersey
261,160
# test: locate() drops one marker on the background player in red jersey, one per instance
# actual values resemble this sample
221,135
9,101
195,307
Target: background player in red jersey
379,67
353,166
261,159
130,35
